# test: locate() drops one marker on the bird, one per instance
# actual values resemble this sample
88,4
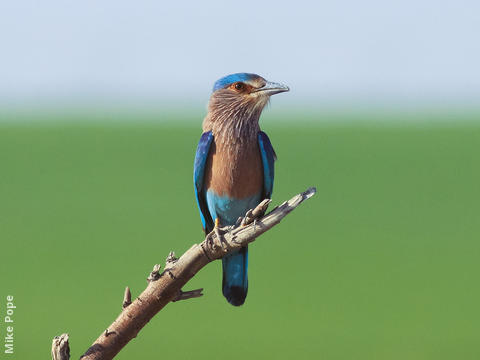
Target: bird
234,165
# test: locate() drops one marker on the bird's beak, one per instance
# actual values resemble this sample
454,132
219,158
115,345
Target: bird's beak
272,88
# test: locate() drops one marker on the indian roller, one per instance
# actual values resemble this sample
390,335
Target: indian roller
234,165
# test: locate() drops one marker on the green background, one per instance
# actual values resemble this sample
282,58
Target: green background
382,263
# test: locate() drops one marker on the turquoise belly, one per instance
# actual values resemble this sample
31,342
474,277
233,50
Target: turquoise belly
227,209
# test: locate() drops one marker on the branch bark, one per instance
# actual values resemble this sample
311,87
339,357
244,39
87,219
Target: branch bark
167,286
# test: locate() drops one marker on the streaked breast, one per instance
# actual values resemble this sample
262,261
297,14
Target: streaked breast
234,170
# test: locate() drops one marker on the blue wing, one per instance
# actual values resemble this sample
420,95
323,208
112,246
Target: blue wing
201,156
268,160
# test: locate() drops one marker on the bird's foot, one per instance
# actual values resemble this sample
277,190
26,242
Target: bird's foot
221,238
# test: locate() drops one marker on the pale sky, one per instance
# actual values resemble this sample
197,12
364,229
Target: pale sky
372,50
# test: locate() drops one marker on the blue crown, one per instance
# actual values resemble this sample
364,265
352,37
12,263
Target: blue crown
233,78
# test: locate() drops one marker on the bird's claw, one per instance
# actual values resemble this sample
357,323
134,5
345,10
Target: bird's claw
221,238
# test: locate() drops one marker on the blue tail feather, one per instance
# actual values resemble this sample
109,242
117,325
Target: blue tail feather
235,279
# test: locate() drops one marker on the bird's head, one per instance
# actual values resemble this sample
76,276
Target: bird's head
240,98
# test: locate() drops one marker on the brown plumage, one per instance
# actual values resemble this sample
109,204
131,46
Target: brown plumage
235,171
234,166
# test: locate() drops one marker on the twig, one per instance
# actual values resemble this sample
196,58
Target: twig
166,287
60,348
185,295
256,213
171,260
127,298
155,274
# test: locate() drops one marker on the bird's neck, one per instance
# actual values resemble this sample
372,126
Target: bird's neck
232,129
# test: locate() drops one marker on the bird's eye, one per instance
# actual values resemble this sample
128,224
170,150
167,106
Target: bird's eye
239,86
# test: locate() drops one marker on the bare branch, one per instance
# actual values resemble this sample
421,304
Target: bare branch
165,287
60,348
